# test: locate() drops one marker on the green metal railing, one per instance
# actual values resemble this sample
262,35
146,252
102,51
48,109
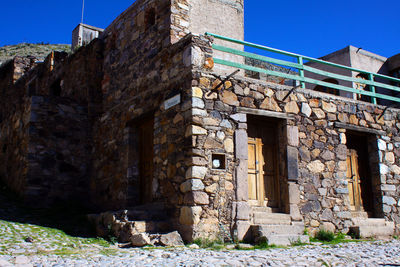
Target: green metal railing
301,68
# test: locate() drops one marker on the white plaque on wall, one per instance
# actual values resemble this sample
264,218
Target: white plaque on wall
173,101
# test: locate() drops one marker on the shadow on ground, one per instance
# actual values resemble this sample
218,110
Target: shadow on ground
70,218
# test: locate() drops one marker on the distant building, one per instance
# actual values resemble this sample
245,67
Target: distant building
83,34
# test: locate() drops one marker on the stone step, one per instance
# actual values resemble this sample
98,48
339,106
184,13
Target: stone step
271,218
369,222
287,240
359,214
263,209
372,227
270,229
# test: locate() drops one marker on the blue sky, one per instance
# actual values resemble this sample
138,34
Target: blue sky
309,27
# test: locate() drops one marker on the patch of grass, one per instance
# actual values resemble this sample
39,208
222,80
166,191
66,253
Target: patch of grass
265,245
325,236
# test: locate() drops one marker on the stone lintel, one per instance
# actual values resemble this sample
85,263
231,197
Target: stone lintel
265,113
359,128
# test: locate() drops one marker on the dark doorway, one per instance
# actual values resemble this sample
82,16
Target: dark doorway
361,172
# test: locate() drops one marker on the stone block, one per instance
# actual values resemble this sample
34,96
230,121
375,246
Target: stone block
196,172
327,226
229,98
388,187
172,239
295,212
306,109
293,135
197,92
294,193
292,107
242,211
228,145
195,130
192,185
196,197
241,181
243,230
381,145
316,166
383,169
241,146
388,200
292,163
190,215
140,240
239,117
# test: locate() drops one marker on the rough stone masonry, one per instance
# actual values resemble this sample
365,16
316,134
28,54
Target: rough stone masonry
138,120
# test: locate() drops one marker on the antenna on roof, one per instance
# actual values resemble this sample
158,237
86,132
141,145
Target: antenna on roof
83,9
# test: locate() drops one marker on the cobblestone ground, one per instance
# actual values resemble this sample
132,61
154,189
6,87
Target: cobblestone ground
31,245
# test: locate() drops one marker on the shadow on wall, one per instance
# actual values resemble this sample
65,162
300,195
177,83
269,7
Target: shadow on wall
68,217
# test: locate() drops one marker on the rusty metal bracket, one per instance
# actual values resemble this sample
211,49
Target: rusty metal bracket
386,108
222,83
290,92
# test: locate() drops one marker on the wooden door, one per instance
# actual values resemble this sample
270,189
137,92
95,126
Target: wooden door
263,181
146,129
354,181
255,172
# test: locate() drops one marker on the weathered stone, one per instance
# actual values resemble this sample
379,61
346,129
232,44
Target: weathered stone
353,119
212,143
342,117
226,124
140,240
196,172
384,169
292,164
229,98
196,197
389,156
316,166
327,155
294,193
190,215
306,110
292,107
304,153
220,135
197,92
195,130
212,188
270,104
319,113
341,152
343,139
192,185
329,107
242,211
239,117
247,102
293,135
228,145
381,144
241,151
388,187
173,239
389,200
328,226
368,117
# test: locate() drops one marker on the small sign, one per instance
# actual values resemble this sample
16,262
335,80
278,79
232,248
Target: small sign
173,101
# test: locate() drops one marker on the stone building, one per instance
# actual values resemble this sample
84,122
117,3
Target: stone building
142,121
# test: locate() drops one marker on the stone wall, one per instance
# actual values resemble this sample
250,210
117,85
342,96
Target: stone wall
316,127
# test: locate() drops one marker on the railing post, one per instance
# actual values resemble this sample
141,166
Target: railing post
372,88
301,71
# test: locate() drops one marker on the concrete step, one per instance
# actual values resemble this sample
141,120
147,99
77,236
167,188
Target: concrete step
376,227
270,229
271,218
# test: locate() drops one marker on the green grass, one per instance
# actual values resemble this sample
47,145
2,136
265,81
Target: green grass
329,238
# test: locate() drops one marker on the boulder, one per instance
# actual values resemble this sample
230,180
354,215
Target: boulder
172,239
140,240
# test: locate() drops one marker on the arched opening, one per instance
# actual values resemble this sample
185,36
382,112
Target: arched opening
326,89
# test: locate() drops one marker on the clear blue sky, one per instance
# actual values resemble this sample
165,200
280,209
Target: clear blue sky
309,27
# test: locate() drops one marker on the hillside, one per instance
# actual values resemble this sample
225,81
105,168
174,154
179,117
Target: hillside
25,49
